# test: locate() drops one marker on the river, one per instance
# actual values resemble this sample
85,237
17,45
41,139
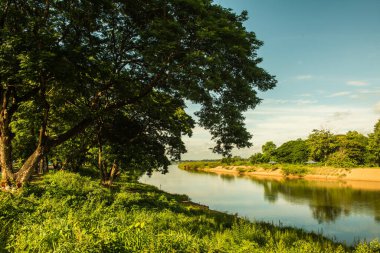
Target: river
339,211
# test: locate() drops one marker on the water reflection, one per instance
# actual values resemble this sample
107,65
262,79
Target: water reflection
228,178
327,200
347,211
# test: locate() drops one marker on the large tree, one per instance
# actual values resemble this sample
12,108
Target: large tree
294,151
269,148
72,66
321,143
354,145
374,145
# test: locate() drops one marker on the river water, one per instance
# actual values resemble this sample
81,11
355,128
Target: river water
342,211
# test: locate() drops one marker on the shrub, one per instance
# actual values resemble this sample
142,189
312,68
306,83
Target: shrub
240,169
199,165
341,159
295,170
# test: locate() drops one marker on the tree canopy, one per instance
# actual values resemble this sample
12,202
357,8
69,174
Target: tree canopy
374,145
268,148
91,74
322,143
295,151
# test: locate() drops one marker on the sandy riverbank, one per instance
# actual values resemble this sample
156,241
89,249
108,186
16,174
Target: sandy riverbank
359,178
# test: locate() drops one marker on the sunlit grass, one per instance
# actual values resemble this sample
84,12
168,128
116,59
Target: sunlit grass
65,212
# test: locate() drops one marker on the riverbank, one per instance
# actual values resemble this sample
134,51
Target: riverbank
368,175
65,212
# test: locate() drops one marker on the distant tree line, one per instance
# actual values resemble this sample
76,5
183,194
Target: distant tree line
322,146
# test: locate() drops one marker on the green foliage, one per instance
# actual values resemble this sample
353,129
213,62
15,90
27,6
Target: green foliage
227,161
117,74
268,148
374,145
292,169
322,143
57,215
343,150
199,165
341,159
372,247
235,161
259,158
354,145
292,152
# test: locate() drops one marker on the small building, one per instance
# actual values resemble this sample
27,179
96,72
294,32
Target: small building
272,162
311,162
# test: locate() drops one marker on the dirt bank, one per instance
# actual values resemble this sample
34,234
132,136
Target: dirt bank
360,178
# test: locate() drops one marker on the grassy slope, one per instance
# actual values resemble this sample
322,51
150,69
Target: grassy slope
65,212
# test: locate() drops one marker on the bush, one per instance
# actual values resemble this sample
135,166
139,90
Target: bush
294,170
259,158
341,159
199,165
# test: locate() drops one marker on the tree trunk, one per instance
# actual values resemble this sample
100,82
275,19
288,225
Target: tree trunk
7,176
113,173
101,166
5,149
23,175
32,162
108,176
43,165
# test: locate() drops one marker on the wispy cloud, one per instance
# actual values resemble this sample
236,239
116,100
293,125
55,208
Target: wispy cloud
290,101
304,77
357,83
373,91
339,94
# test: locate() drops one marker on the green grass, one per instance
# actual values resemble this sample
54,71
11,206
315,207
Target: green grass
66,212
199,165
293,169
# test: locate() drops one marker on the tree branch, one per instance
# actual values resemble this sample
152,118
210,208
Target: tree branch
25,97
78,128
82,125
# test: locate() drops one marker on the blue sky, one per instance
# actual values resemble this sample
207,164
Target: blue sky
326,57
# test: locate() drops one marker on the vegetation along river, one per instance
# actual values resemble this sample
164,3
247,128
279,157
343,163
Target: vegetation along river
336,209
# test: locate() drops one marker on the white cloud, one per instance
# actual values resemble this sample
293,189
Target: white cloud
367,91
281,122
377,108
357,83
304,77
305,101
289,101
339,94
198,146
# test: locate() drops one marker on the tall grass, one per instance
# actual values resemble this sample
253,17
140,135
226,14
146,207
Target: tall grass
65,212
